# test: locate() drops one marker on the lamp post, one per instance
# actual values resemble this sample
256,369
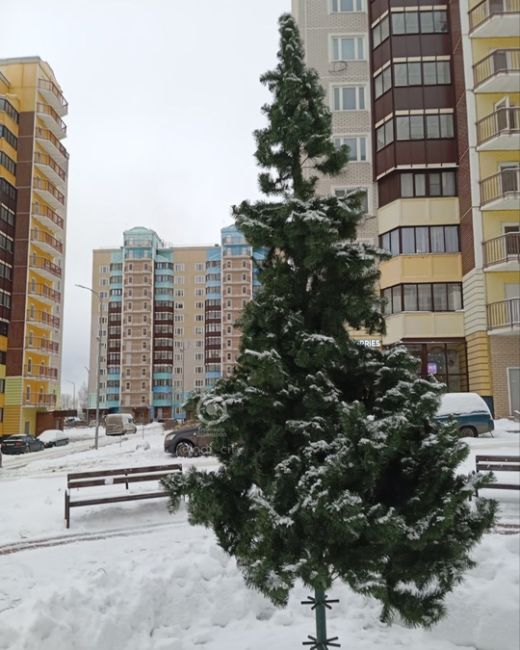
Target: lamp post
100,303
73,395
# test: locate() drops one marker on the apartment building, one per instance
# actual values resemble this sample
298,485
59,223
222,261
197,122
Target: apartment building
33,198
335,37
443,83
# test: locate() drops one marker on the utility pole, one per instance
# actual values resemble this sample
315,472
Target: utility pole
98,382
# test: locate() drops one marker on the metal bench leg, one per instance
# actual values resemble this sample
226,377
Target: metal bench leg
67,508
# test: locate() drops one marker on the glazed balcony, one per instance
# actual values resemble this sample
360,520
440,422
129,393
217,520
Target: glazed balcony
45,293
499,72
41,372
52,120
504,317
47,242
501,191
49,193
53,96
39,344
492,18
43,266
52,145
47,216
499,130
503,253
51,169
43,319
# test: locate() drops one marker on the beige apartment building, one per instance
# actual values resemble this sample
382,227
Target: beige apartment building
335,36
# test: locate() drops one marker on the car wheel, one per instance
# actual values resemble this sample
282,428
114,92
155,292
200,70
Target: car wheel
185,449
468,432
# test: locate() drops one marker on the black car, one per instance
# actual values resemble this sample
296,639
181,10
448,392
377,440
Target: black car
187,441
21,444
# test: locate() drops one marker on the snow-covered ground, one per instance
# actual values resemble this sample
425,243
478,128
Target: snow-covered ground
133,577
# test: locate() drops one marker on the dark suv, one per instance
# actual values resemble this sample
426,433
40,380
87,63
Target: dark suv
187,441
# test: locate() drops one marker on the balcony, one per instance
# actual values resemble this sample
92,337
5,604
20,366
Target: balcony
49,193
47,216
52,145
52,120
499,72
492,18
504,317
42,400
47,242
43,319
45,293
51,169
53,96
43,266
503,253
40,344
499,130
501,191
40,372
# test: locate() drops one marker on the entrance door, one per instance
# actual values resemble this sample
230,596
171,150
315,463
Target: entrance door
512,239
513,382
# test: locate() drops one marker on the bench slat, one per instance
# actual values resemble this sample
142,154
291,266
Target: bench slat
498,468
126,497
500,486
124,470
499,459
118,480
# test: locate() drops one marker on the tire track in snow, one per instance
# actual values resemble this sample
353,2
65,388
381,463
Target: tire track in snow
61,540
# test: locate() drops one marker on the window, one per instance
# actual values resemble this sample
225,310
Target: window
384,135
383,82
361,192
423,297
381,31
348,98
347,5
428,73
178,267
409,127
427,184
357,147
348,48
419,22
421,239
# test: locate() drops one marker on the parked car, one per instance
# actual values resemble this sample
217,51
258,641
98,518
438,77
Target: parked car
117,424
470,411
74,422
21,444
54,438
187,441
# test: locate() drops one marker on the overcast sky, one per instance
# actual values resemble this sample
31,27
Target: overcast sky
163,98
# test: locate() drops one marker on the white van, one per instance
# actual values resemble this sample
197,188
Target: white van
117,424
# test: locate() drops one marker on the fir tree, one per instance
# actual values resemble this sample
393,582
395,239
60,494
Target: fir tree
332,465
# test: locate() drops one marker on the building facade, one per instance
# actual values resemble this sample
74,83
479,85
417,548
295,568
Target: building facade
443,84
167,320
33,198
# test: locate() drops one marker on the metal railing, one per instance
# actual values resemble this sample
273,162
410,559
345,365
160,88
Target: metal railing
45,134
45,159
505,248
42,211
47,110
47,186
39,343
43,317
41,372
505,313
489,8
44,238
500,185
43,291
497,61
41,263
43,399
44,84
504,121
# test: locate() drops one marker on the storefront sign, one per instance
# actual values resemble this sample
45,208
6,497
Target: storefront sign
370,343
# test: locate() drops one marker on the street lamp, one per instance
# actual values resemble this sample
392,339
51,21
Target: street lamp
100,304
73,395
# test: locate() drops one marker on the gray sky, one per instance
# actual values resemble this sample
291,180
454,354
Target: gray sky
163,98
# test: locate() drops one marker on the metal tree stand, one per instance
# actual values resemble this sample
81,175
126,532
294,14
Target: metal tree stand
320,604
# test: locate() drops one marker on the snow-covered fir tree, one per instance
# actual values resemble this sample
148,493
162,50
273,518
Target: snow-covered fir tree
332,465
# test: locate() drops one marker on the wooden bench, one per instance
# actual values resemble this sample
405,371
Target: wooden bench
126,476
498,464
